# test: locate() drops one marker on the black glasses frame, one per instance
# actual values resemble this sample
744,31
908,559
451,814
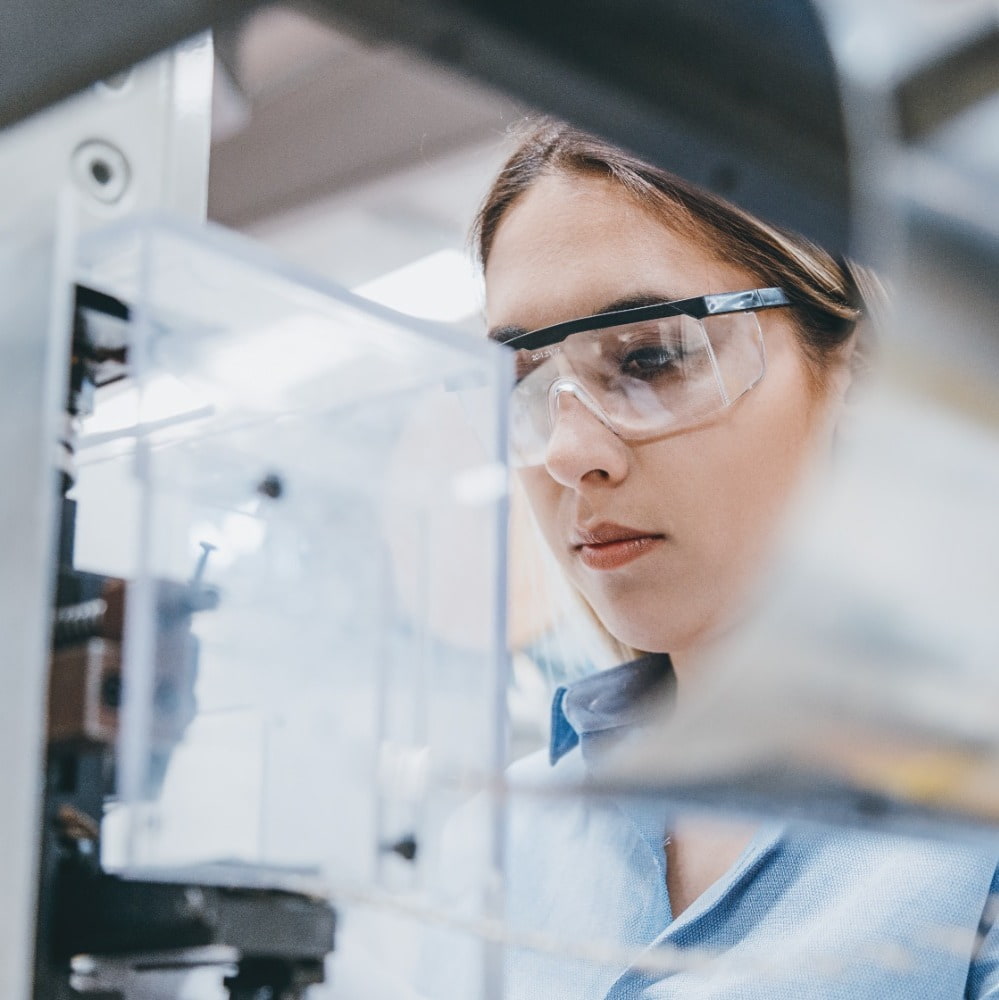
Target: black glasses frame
698,308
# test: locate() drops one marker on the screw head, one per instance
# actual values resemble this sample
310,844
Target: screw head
101,171
271,486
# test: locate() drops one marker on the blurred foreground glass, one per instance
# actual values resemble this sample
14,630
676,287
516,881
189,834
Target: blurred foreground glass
312,675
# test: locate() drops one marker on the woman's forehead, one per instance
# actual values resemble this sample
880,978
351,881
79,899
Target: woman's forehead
574,243
572,212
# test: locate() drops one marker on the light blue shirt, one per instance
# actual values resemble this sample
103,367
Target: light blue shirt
804,913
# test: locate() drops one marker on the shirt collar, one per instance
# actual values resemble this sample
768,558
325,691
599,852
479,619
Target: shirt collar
595,709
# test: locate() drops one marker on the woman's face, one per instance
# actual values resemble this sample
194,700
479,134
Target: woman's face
701,504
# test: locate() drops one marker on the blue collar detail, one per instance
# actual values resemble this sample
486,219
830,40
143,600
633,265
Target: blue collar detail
591,711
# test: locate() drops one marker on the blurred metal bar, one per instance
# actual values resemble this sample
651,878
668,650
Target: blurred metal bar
50,49
920,91
949,84
35,320
740,97
151,135
734,95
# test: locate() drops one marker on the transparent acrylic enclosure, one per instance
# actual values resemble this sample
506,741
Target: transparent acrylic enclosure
314,645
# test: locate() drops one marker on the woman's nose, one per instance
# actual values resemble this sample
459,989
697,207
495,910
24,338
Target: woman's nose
582,446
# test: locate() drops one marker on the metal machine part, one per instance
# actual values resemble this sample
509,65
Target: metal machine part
99,357
275,940
137,141
157,117
84,691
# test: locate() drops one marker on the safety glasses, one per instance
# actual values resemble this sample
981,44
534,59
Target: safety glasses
644,372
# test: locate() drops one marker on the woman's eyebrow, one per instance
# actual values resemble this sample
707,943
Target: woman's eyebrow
502,334
505,333
637,301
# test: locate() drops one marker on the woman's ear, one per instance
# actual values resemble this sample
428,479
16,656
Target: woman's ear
843,368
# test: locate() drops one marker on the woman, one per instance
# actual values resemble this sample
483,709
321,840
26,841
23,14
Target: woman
658,445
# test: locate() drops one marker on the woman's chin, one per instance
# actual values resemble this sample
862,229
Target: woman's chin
652,637
679,635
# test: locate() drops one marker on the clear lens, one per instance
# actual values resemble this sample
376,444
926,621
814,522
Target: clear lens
643,379
737,342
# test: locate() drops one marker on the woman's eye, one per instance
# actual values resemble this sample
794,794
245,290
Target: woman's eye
657,359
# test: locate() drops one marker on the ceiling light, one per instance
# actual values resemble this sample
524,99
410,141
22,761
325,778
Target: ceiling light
443,286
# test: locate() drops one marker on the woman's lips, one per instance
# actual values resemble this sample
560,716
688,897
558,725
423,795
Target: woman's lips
610,546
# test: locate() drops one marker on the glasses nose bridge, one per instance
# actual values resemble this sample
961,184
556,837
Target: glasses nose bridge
567,385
